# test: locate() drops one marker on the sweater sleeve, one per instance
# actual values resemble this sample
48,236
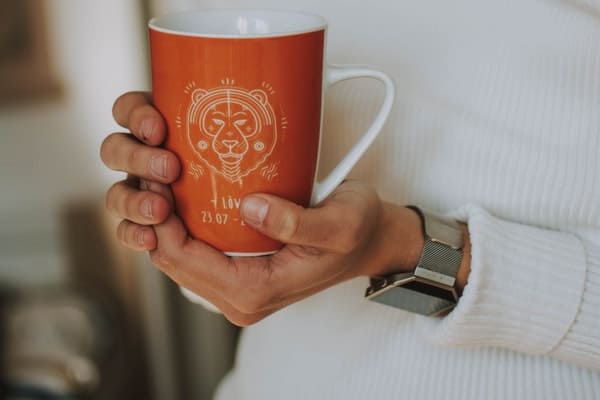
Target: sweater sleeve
532,290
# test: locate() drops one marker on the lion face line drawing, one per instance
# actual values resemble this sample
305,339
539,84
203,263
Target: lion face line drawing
233,130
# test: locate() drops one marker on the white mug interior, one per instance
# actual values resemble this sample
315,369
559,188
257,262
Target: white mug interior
238,23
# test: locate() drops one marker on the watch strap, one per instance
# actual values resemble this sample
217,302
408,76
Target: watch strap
442,252
430,288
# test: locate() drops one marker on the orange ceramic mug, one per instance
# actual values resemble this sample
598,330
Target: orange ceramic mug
242,94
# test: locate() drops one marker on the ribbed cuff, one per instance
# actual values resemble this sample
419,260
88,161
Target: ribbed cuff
524,290
581,345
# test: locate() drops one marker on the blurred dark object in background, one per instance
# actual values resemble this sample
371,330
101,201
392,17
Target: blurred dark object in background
56,345
25,67
82,339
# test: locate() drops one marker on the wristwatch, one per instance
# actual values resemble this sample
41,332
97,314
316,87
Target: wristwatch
430,288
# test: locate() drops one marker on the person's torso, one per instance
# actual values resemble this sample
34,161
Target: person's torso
498,105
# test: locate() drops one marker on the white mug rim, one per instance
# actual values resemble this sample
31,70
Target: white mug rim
160,23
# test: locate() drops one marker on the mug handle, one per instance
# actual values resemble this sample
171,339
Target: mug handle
333,75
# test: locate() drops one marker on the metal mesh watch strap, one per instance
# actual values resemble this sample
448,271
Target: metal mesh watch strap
429,289
442,252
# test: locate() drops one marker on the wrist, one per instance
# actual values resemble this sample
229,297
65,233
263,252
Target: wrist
397,243
464,269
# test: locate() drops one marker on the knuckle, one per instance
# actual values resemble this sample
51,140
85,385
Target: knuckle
107,149
112,197
355,225
287,226
350,233
129,235
349,242
121,232
163,261
134,157
116,107
135,118
121,107
131,204
132,235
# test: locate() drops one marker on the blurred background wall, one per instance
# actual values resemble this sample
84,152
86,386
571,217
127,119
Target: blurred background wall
56,243
49,145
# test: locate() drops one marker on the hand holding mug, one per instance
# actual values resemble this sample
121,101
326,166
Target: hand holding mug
351,233
227,140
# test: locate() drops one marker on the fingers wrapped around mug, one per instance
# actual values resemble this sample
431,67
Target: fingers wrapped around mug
134,111
135,236
122,152
324,246
127,201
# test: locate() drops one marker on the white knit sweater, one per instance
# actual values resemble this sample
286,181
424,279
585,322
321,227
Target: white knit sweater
498,124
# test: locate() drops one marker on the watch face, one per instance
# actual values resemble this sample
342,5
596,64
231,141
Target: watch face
412,294
415,301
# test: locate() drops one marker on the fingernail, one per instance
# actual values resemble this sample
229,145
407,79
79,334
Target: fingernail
140,237
158,165
146,128
144,184
254,210
147,208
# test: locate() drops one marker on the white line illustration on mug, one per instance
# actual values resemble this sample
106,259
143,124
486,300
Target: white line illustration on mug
270,172
195,170
233,130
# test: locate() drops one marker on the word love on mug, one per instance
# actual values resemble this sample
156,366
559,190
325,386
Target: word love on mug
242,94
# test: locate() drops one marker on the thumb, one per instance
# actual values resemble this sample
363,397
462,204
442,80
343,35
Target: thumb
332,226
272,216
